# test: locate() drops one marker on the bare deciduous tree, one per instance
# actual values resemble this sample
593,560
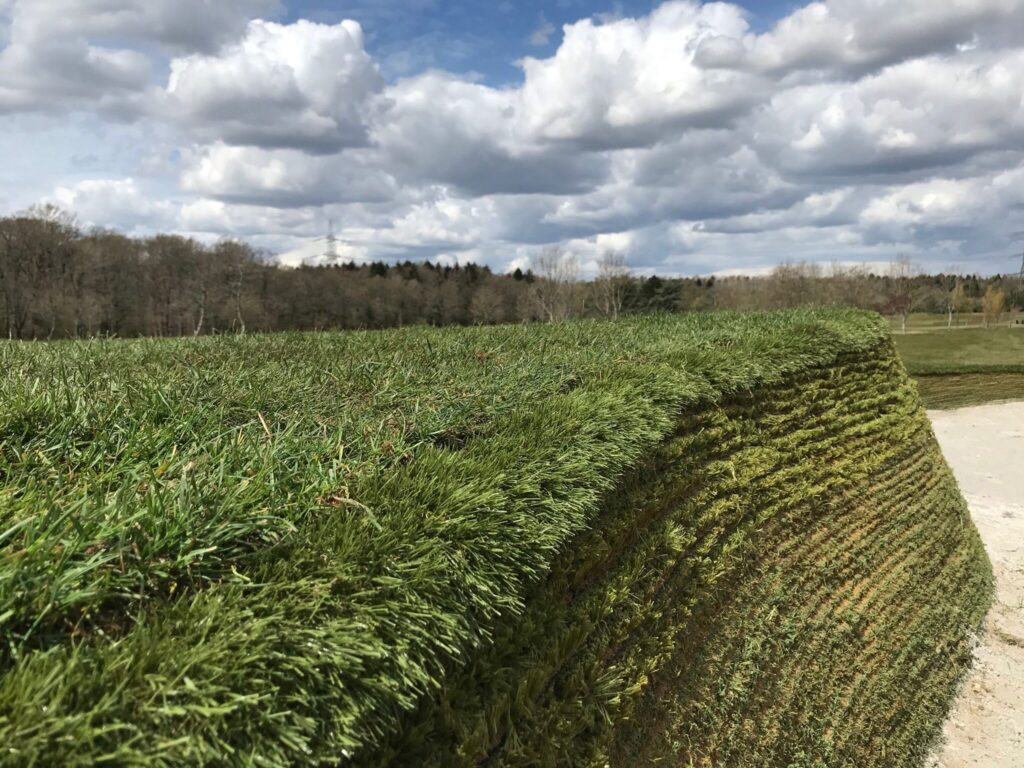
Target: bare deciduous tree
57,281
901,297
556,290
850,286
489,305
795,284
610,286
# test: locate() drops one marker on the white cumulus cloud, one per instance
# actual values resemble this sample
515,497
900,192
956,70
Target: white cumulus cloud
629,82
849,130
90,54
302,85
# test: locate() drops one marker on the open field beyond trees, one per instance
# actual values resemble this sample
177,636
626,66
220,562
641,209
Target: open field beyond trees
717,539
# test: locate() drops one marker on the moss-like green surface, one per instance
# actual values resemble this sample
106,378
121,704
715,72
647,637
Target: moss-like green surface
724,539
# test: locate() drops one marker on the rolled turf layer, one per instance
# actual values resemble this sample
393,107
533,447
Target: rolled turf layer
724,540
784,564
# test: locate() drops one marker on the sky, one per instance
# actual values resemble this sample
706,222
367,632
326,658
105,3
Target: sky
694,138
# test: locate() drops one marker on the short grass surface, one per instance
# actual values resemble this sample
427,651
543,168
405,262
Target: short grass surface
922,322
307,549
964,367
963,390
974,350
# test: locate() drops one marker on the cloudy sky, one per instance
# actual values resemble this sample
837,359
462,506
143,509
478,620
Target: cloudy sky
694,137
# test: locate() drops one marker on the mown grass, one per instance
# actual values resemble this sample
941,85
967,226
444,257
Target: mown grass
963,390
922,322
281,550
965,367
975,350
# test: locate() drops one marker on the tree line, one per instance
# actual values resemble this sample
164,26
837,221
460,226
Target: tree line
57,281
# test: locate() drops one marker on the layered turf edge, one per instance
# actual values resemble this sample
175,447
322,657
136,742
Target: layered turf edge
710,540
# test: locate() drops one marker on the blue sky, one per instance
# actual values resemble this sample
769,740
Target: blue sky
478,38
694,138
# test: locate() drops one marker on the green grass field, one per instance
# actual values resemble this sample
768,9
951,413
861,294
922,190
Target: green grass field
965,367
700,540
962,390
926,322
923,322
977,350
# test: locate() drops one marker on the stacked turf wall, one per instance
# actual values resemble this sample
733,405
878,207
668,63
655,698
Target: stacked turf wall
715,540
791,578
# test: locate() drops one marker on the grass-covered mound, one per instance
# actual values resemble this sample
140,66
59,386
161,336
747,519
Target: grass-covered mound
710,540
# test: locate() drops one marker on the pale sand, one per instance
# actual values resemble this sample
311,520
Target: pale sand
985,447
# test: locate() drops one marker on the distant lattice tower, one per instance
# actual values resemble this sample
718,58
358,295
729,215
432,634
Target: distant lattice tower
333,245
331,250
